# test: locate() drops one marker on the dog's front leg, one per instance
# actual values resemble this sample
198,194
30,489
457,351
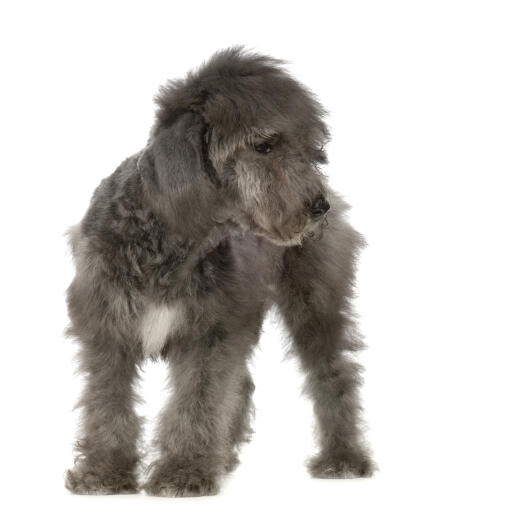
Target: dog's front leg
107,448
314,298
195,431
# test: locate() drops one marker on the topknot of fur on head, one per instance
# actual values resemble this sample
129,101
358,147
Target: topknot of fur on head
243,95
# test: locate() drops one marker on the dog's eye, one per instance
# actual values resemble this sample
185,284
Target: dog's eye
264,147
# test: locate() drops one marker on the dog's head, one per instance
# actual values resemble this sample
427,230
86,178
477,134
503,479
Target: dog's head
250,131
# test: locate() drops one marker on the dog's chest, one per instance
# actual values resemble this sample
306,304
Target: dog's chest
158,323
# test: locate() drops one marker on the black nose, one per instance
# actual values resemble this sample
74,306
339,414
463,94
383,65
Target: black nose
319,208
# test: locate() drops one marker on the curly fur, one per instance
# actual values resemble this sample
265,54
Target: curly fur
181,253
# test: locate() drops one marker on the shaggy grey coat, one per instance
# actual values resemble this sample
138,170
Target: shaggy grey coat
183,250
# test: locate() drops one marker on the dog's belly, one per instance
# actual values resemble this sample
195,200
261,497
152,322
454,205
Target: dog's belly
158,323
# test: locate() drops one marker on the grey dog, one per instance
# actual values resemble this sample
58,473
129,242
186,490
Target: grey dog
183,250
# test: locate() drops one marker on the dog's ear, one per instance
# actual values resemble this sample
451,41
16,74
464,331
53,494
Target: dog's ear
178,155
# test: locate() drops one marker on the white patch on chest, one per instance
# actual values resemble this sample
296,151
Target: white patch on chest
158,323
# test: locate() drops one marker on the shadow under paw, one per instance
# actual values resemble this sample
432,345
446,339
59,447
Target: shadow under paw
81,480
341,466
173,480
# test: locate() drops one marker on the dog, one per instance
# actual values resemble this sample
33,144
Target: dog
183,250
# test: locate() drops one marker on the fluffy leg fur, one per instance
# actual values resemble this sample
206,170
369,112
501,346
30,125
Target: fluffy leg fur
240,428
205,418
107,452
314,299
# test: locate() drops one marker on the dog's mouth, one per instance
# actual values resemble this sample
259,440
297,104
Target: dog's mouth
310,231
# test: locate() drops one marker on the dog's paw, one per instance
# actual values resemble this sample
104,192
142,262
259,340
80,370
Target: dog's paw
344,465
175,480
81,480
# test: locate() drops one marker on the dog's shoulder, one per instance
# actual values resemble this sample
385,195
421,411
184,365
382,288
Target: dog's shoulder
115,198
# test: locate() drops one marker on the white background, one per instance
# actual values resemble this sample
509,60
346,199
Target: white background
420,105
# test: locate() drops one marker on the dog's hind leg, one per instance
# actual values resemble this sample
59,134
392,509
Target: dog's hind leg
314,299
195,435
107,452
